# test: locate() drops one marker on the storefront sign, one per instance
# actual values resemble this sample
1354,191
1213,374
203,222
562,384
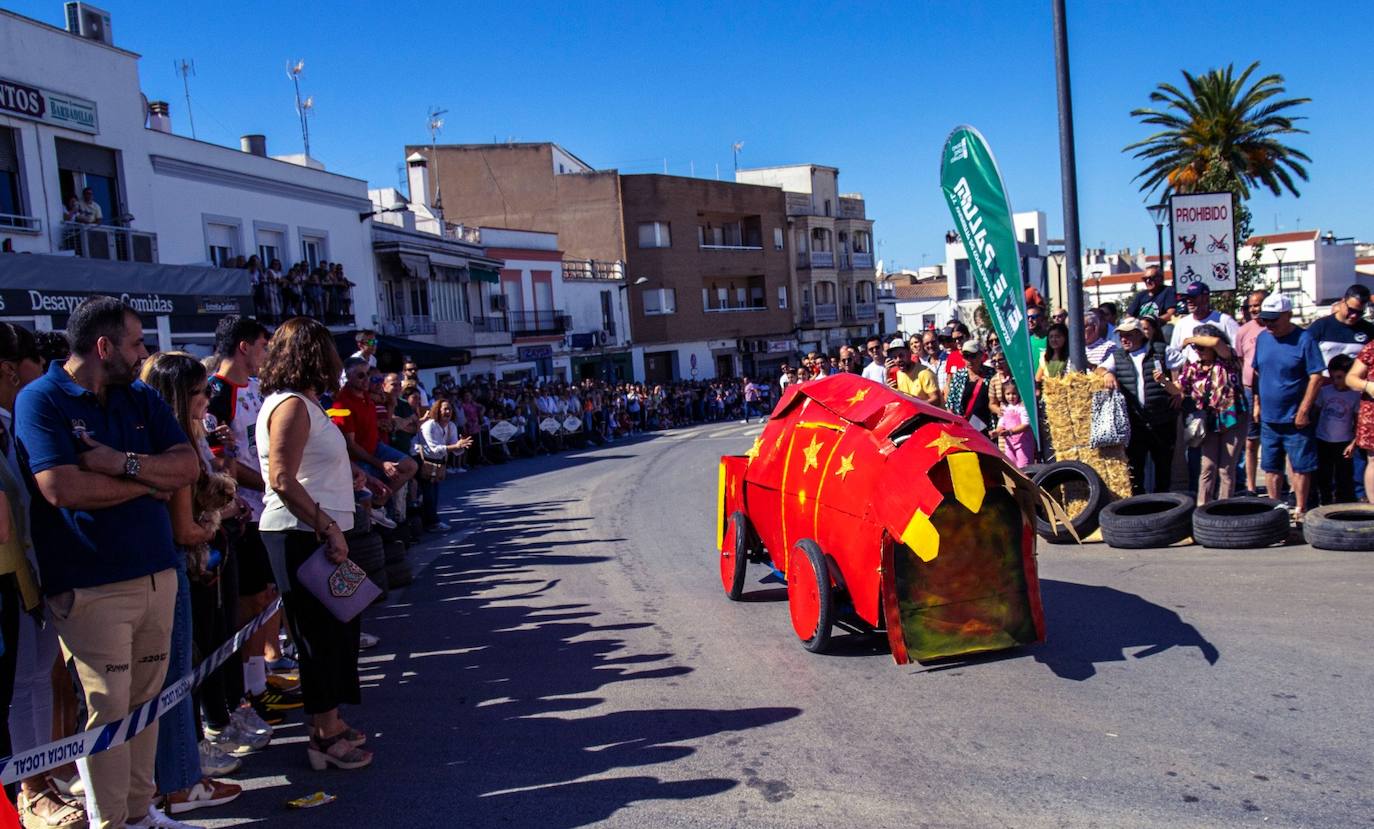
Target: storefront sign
62,303
782,346
1202,238
48,107
531,353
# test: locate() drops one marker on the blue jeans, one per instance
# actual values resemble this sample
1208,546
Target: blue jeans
178,749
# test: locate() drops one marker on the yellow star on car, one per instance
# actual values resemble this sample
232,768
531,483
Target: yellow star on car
811,452
946,442
754,450
858,397
846,466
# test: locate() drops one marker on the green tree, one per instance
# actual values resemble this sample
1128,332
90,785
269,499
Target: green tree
1223,127
1224,134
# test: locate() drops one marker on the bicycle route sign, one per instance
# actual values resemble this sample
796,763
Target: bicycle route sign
1202,237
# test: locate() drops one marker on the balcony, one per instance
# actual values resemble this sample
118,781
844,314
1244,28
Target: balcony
729,247
726,307
866,311
274,302
538,323
827,313
816,259
418,324
593,269
863,260
108,242
490,325
13,222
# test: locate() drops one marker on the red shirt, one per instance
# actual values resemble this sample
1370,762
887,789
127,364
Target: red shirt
361,419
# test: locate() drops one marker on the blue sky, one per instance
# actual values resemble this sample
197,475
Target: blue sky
870,88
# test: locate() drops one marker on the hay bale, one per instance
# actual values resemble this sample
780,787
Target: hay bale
1068,413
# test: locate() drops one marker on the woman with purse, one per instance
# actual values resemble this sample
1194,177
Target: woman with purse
439,437
308,505
1214,410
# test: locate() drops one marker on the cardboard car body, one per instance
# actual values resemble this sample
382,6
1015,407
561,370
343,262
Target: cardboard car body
925,528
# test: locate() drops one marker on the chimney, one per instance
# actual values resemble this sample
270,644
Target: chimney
254,145
159,116
417,174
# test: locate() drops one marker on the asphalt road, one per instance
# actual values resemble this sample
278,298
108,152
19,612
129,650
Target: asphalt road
569,659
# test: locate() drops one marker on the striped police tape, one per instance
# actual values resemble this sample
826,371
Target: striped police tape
103,737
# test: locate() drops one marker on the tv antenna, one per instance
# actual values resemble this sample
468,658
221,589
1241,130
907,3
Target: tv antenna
304,108
434,122
186,68
737,147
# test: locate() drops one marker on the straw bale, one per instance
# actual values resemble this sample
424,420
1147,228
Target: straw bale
1068,413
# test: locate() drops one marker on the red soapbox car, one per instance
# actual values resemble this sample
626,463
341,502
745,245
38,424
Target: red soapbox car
857,495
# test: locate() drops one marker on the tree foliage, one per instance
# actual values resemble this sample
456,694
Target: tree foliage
1225,126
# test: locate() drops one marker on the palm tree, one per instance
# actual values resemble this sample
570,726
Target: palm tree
1222,128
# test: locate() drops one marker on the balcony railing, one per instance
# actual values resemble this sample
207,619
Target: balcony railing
863,260
538,323
274,302
866,310
736,306
16,222
822,258
730,247
490,325
593,269
827,313
109,242
416,324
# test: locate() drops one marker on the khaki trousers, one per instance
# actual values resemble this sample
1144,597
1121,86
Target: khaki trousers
118,635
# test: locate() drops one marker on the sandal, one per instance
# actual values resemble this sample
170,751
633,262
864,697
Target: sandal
336,751
61,813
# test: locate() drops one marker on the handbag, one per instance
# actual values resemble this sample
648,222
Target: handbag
1111,426
344,589
430,470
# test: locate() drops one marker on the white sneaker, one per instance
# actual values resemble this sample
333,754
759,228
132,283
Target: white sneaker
366,641
248,722
234,740
214,762
157,819
380,517
441,526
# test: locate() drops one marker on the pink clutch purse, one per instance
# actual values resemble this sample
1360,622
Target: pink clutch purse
343,588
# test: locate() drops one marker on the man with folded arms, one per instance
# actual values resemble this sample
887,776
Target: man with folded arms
102,454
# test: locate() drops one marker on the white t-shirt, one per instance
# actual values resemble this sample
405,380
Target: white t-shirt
1336,422
325,471
1185,325
877,372
239,406
1172,360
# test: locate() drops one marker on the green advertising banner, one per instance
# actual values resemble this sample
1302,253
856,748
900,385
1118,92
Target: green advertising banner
973,186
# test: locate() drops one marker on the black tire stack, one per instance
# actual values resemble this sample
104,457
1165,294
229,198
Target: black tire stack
1241,524
1145,521
366,551
1344,527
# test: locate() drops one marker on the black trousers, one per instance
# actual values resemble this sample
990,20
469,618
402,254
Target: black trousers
9,629
1335,474
1153,441
214,619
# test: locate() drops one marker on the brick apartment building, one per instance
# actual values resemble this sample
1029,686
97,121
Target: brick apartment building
710,292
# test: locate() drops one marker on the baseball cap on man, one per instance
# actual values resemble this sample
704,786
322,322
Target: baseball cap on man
971,347
1126,324
1275,306
1197,289
897,342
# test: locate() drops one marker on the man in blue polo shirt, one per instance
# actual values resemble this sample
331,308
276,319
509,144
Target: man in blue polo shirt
1288,374
102,454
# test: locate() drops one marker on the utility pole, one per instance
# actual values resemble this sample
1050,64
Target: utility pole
1068,174
185,68
435,123
737,146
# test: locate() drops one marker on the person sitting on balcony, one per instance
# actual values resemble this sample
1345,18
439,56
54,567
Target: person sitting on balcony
89,209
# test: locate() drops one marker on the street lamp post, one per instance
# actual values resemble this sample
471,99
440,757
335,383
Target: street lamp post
1159,214
1279,253
1068,167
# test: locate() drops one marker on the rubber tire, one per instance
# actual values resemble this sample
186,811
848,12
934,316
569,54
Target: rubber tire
1329,528
367,551
1086,521
395,552
1241,524
362,523
1030,470
399,575
1145,521
808,580
732,563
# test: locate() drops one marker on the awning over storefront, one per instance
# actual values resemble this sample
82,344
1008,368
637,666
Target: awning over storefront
42,285
481,274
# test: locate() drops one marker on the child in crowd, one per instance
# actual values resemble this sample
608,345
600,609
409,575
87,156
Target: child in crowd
1338,405
1014,425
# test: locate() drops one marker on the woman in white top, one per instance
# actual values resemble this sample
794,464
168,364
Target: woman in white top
439,437
309,503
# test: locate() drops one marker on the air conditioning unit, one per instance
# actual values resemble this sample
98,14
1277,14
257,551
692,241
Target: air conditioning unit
606,337
498,302
89,22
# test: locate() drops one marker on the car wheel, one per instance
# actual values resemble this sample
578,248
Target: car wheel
1348,527
810,599
1241,524
1145,521
734,555
1079,489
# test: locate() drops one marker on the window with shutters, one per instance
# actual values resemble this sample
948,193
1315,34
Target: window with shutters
222,235
12,212
83,166
654,235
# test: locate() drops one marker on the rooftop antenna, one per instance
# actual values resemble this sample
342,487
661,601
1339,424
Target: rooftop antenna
435,123
303,108
185,68
737,146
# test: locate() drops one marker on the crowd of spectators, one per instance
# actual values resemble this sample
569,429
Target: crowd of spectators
320,291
